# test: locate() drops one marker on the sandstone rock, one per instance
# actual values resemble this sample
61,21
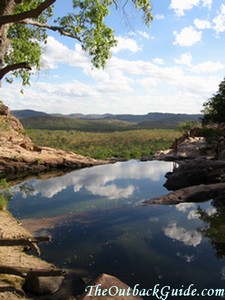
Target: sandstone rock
3,109
190,148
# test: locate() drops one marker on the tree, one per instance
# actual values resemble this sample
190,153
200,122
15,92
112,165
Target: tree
24,25
185,127
214,108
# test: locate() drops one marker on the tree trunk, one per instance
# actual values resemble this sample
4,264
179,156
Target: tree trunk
6,8
26,242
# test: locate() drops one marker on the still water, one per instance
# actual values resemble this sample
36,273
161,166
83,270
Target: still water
99,224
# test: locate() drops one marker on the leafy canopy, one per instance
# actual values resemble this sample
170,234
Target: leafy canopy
214,108
86,24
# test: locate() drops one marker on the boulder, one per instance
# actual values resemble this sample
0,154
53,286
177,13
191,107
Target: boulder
43,285
3,109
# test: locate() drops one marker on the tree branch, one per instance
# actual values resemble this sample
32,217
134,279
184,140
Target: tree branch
33,13
9,68
28,272
50,27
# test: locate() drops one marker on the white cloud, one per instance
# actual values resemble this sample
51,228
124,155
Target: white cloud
179,6
219,20
144,34
204,67
56,53
202,24
116,82
111,191
158,61
208,67
159,17
148,82
217,24
193,215
189,238
184,59
187,37
207,3
184,206
71,89
126,44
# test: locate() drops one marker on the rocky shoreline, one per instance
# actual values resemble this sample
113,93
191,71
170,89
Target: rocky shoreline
19,271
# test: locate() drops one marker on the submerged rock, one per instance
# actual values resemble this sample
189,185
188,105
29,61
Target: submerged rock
43,285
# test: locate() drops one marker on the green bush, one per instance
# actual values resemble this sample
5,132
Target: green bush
5,194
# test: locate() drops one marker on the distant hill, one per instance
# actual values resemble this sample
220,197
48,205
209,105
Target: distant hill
27,113
81,116
101,123
60,123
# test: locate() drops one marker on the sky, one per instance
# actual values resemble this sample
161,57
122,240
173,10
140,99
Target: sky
174,65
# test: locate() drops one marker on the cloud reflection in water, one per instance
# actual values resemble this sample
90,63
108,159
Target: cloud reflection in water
189,238
102,180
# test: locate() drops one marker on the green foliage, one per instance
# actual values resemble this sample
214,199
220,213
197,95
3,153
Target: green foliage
212,134
60,123
214,224
4,184
86,24
5,194
214,108
105,124
25,41
131,144
185,127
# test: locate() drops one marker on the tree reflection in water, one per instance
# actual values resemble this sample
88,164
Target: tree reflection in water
215,224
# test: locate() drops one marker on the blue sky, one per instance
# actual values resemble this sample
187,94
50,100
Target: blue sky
173,66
